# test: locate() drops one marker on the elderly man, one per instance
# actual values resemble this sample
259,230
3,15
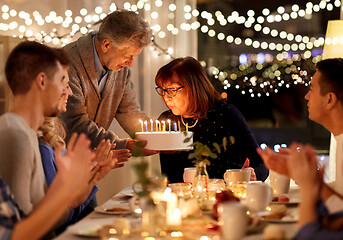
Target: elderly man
100,78
325,106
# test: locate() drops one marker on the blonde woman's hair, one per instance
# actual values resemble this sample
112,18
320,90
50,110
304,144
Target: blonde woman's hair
52,132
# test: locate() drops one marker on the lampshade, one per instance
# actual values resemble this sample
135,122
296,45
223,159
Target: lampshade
333,47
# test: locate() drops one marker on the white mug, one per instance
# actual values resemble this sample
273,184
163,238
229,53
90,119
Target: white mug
233,220
279,183
189,174
258,196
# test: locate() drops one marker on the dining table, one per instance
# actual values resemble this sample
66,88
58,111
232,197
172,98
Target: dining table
85,228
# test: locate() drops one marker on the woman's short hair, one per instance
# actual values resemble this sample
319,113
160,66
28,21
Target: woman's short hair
123,27
189,73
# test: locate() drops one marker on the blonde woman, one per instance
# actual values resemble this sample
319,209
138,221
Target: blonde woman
51,135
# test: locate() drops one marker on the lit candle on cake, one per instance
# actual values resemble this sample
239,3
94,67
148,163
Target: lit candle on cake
146,125
163,126
152,125
186,127
141,124
175,128
158,124
169,125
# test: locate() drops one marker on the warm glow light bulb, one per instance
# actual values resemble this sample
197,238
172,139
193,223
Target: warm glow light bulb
95,18
83,12
98,9
172,7
154,15
13,13
5,8
127,5
83,30
48,19
22,28
5,16
88,19
68,13
187,8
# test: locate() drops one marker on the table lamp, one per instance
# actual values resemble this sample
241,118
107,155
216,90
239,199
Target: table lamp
333,48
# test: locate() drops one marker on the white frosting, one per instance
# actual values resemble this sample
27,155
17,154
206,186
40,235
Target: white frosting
165,140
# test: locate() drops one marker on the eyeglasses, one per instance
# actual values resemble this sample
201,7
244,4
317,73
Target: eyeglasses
171,91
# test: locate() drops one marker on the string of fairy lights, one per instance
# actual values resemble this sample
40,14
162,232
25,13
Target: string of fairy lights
251,77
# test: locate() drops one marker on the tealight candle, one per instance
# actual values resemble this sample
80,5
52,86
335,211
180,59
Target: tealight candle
163,126
174,219
172,202
169,125
141,124
175,128
146,125
152,125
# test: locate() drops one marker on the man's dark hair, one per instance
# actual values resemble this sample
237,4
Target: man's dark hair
331,76
27,60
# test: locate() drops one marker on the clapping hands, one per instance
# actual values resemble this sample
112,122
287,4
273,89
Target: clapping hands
303,168
78,161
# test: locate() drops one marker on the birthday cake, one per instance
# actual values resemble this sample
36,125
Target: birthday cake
166,141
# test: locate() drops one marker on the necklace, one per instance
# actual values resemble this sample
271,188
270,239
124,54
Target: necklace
196,121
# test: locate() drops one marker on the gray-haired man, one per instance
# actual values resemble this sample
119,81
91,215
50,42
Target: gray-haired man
100,78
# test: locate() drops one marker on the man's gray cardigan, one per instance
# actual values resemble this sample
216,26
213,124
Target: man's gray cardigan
90,112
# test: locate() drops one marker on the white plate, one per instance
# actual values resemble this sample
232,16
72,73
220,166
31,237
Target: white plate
174,149
89,227
286,219
102,209
127,192
291,202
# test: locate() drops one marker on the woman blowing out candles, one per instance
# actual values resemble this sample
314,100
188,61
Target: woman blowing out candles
192,100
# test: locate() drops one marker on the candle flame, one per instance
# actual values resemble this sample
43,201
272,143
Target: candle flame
177,212
151,121
140,121
168,121
157,121
167,191
145,122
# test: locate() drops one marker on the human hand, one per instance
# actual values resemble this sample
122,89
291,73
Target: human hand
132,144
78,161
105,159
277,162
82,197
303,166
252,171
122,155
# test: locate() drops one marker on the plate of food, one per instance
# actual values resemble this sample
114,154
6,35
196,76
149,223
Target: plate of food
90,227
285,200
279,213
115,210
